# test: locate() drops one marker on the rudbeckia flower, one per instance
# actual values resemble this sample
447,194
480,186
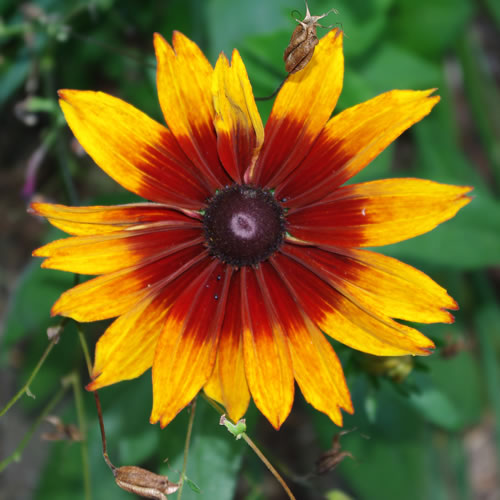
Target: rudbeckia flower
250,249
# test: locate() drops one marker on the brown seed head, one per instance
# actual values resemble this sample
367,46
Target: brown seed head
144,483
301,47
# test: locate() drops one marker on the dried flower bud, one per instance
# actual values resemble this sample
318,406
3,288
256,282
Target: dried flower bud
331,458
144,483
61,431
301,47
452,347
53,332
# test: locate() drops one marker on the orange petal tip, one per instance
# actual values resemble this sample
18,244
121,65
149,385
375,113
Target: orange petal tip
91,387
31,210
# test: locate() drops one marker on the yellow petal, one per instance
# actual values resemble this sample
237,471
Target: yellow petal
345,321
184,80
268,365
233,382
351,140
137,152
116,293
186,351
377,213
316,368
107,253
84,221
379,283
300,111
240,132
128,346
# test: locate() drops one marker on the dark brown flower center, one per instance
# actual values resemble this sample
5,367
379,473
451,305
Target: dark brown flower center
244,225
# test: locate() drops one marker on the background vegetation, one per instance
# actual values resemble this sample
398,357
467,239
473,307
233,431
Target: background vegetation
423,430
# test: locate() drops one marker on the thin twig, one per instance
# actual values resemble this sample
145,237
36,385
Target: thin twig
85,348
268,464
274,93
25,388
186,447
103,433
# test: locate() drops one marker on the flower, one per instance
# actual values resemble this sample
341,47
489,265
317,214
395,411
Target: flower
251,248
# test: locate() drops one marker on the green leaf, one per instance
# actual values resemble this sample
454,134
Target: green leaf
437,408
444,401
394,67
363,22
229,22
12,75
429,27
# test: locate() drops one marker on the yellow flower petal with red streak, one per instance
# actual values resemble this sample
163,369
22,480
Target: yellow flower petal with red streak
301,110
187,348
83,221
381,284
127,347
377,213
268,365
346,321
351,140
213,388
228,384
107,253
136,151
240,132
131,285
184,80
231,368
315,365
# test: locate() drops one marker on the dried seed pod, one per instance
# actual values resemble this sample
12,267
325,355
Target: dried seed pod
61,431
331,458
301,47
144,483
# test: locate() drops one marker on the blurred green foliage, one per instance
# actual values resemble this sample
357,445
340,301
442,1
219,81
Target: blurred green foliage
408,441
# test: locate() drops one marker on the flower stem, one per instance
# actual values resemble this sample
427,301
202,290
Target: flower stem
268,464
85,347
25,388
186,447
16,455
255,449
86,355
74,380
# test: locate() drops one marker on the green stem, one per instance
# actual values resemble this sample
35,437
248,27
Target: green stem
16,456
85,347
186,448
74,379
268,464
25,388
255,449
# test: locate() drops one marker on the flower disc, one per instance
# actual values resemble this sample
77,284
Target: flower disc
244,225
